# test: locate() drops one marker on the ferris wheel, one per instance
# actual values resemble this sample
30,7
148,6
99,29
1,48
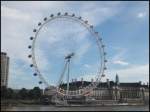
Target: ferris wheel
69,57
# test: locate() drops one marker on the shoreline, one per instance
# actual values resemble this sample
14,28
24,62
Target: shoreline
36,103
76,108
106,105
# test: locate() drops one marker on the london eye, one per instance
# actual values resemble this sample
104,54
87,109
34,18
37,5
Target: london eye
68,58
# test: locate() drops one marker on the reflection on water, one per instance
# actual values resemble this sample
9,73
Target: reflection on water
53,108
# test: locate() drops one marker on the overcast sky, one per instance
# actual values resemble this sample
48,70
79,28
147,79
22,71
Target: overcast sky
122,25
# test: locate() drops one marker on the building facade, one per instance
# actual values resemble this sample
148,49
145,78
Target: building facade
109,91
4,69
122,92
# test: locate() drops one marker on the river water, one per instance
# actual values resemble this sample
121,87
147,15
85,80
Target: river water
54,108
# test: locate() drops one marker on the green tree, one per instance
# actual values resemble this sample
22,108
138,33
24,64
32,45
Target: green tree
35,93
3,92
9,93
23,93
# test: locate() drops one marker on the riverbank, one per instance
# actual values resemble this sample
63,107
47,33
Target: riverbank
10,102
35,105
18,102
54,108
101,105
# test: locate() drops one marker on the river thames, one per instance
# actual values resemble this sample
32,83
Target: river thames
54,108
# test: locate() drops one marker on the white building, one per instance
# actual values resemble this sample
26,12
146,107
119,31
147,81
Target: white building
50,91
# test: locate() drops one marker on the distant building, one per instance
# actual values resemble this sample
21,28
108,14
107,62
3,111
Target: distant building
117,79
110,90
50,91
4,69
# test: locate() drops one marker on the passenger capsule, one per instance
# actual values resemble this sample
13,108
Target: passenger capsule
31,65
39,24
29,46
80,17
91,26
103,46
31,38
59,14
29,56
35,74
105,60
40,82
34,30
52,15
103,75
86,22
45,18
100,39
73,15
66,13
96,33
105,68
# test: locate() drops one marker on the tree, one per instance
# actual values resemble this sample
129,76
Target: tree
3,92
30,94
6,93
9,93
35,93
23,93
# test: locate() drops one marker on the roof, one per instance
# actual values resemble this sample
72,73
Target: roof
76,85
136,84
